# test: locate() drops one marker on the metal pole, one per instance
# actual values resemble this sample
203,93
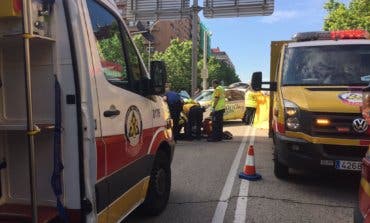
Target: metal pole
205,49
194,67
27,28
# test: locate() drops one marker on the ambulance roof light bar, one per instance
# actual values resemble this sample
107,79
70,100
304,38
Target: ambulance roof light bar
331,35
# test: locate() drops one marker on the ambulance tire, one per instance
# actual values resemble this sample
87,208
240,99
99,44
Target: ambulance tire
159,186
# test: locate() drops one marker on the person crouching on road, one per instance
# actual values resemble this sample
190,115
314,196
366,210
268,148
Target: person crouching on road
218,110
194,113
175,103
251,98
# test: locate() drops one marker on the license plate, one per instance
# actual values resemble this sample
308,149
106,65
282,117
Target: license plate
348,165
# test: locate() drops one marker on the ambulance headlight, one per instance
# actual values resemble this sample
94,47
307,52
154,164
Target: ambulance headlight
291,115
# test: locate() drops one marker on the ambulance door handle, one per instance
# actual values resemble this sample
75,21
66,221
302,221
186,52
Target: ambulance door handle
111,113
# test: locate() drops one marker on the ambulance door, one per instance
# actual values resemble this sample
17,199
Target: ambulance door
126,115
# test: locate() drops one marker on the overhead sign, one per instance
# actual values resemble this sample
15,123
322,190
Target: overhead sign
237,8
152,10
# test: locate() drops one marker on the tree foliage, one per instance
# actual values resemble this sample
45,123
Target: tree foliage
111,49
222,71
355,16
178,61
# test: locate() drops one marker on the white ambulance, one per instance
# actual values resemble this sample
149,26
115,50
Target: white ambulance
84,134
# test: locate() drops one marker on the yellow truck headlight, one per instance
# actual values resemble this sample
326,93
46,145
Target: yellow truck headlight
291,115
292,123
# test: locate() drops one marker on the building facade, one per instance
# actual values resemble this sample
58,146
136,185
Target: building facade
163,31
222,56
121,4
167,30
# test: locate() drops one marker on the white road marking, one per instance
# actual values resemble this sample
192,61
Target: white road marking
219,214
242,202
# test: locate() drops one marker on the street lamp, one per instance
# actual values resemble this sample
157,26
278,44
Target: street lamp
204,73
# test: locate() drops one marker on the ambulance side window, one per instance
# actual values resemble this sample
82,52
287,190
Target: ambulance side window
108,35
134,61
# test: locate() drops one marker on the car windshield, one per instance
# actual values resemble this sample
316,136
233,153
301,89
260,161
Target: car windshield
204,96
327,65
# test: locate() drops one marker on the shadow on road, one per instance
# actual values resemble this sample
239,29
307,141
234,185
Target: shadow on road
339,181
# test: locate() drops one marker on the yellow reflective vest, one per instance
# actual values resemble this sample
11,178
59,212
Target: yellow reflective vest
251,98
219,93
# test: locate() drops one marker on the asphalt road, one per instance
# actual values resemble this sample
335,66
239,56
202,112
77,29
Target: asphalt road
204,180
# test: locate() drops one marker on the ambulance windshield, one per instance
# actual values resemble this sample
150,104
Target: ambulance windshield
326,65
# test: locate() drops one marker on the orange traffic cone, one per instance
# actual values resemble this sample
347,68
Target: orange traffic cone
249,168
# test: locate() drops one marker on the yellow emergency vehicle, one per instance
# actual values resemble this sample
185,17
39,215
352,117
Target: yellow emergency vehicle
315,118
234,103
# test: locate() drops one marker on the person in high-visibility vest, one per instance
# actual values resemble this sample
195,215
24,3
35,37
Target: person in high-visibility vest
251,100
218,110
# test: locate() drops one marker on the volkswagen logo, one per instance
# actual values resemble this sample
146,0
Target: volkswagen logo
360,125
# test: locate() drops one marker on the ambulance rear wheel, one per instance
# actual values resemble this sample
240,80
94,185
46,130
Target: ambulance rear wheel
159,186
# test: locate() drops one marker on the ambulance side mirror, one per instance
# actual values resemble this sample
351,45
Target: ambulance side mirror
158,77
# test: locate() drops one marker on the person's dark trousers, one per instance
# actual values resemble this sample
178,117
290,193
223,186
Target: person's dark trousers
195,120
188,129
175,110
217,125
249,115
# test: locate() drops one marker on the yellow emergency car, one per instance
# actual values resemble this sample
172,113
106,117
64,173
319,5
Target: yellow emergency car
234,107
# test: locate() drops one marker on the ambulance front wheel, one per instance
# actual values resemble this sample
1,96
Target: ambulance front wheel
159,185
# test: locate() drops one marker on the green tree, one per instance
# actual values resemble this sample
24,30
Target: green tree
355,16
221,71
178,61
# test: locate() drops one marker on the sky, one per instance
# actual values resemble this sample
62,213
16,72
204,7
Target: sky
247,40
